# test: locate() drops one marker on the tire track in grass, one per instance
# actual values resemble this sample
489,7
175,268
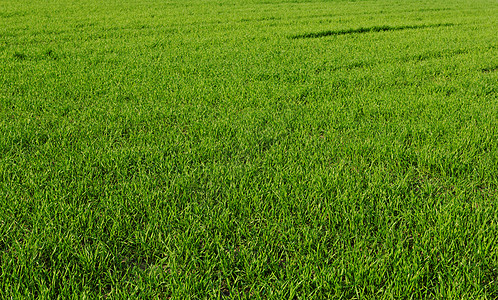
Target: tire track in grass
490,69
314,35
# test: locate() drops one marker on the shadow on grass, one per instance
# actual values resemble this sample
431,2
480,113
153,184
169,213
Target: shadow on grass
313,35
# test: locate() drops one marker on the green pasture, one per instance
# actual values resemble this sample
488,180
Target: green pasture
248,149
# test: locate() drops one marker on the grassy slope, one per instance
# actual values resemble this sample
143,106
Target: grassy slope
222,148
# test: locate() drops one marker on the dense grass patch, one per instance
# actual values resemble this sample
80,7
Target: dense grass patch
249,149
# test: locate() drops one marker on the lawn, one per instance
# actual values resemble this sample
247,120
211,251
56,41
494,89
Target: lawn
249,149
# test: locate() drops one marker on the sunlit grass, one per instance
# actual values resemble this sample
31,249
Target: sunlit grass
249,149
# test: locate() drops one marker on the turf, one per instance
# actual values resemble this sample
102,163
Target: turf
249,149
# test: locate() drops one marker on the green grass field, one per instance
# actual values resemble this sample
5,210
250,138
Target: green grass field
259,149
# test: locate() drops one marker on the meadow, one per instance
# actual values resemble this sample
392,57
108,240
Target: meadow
249,149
